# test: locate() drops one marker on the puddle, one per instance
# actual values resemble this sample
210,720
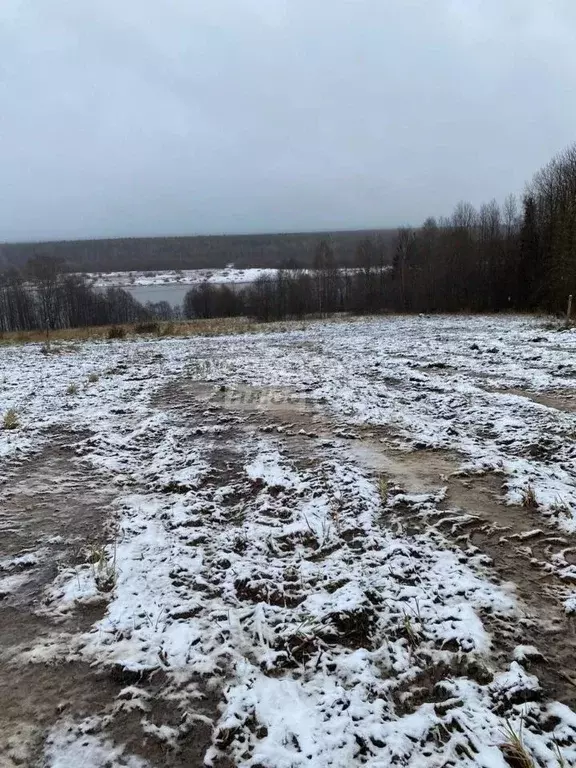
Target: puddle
415,471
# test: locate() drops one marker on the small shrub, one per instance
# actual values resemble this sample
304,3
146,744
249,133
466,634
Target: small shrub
10,420
72,389
103,569
93,378
529,497
117,332
169,329
48,348
150,327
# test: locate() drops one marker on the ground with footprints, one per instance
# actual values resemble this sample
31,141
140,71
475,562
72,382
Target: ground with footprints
332,544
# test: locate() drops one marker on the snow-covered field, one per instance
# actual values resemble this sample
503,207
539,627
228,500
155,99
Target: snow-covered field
182,277
344,544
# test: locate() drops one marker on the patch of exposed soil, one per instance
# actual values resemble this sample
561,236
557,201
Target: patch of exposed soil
409,469
192,730
559,401
517,545
35,696
260,404
51,506
279,411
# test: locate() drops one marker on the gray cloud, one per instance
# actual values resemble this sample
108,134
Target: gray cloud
139,117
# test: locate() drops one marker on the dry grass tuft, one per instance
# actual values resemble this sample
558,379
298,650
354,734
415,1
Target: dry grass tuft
152,326
116,332
529,499
514,749
103,569
410,631
559,756
383,489
10,419
93,378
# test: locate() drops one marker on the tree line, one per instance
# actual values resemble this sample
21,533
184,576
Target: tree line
44,296
519,256
194,252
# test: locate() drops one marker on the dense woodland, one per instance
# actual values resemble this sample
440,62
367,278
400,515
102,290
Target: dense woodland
211,251
518,256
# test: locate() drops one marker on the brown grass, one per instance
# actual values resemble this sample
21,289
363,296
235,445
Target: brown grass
529,499
10,419
214,327
514,749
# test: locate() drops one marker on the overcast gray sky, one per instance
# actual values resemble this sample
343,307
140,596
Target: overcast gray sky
142,117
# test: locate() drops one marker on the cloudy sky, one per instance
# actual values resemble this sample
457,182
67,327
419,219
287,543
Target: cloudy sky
142,117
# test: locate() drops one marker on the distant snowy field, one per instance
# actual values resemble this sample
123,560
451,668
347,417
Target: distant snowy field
183,277
262,556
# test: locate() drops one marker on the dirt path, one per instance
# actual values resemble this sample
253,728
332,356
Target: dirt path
55,506
52,506
54,509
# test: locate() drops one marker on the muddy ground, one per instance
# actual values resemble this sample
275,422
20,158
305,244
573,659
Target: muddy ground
55,506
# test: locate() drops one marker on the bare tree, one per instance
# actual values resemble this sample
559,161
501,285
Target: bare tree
45,273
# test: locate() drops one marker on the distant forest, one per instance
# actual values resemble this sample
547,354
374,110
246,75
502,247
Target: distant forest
197,252
520,256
